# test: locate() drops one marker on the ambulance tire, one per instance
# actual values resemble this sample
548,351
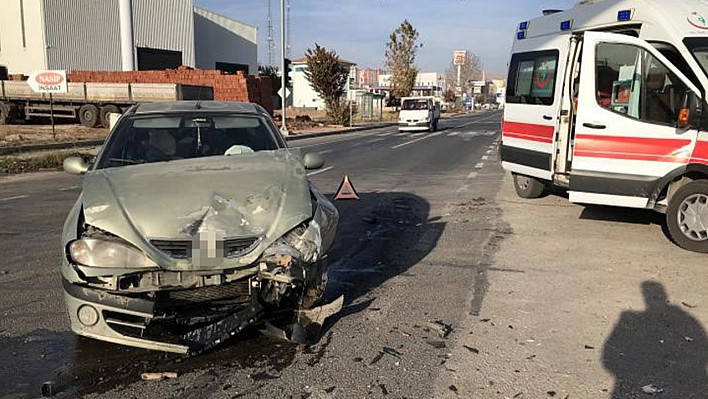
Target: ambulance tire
693,196
527,186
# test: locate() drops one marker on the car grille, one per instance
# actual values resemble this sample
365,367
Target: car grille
232,293
182,249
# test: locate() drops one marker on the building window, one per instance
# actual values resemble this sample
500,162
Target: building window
155,59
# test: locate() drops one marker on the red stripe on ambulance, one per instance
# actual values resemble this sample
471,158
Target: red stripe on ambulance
527,131
632,148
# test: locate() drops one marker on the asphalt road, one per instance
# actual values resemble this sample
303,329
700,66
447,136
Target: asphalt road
406,255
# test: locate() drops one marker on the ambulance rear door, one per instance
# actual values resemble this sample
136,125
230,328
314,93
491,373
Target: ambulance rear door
533,100
626,134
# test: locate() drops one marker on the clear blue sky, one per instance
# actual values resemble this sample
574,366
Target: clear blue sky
359,29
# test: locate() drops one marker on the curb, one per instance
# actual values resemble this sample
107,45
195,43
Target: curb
93,143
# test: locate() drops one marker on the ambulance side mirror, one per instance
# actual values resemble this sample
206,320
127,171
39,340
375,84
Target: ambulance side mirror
691,111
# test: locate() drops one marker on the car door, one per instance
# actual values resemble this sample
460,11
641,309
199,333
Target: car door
626,135
532,104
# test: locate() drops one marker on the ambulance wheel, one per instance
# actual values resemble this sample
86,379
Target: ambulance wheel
89,115
527,186
687,216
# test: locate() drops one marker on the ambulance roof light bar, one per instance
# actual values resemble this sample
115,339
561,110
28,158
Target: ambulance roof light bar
521,35
524,25
567,25
624,15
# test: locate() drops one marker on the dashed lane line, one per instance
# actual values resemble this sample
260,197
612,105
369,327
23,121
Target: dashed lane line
416,140
317,172
479,165
472,175
69,188
13,198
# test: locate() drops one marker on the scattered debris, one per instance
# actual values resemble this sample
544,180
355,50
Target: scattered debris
156,376
436,344
652,389
471,349
385,351
330,389
485,320
376,358
688,305
589,347
369,219
453,388
551,393
358,359
48,389
441,328
518,394
688,339
273,331
4,272
531,357
383,389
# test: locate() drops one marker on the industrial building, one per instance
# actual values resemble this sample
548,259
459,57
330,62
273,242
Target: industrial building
109,35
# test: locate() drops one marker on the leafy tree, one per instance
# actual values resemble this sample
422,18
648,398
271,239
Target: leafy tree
328,77
449,96
272,73
470,71
401,51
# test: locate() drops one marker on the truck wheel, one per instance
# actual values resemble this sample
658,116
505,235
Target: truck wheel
105,111
89,115
527,186
687,216
4,114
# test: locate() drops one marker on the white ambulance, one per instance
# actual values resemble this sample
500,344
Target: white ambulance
608,99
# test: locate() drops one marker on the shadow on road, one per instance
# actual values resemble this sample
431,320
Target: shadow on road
380,236
622,215
662,348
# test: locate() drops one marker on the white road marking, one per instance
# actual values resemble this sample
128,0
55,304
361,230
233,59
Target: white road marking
416,140
13,198
375,140
414,135
472,175
485,157
453,134
489,151
479,165
463,188
317,172
69,188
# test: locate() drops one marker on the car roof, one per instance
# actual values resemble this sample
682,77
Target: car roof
197,106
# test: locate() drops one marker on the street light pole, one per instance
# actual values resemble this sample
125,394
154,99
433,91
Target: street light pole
283,126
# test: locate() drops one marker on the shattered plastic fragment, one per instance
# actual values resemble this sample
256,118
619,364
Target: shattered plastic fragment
158,376
652,389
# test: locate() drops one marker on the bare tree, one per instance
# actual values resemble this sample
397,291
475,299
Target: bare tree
401,51
471,70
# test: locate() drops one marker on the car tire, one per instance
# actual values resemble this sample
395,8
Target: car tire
527,186
687,216
4,114
105,111
89,115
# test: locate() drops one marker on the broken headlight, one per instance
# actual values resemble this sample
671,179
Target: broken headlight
102,253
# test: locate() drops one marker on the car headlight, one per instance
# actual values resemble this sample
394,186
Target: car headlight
101,253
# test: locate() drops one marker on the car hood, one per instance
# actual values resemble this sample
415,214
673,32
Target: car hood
264,194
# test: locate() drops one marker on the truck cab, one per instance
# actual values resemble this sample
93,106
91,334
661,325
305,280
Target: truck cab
608,101
419,113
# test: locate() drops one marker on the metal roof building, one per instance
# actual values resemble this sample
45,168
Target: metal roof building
88,34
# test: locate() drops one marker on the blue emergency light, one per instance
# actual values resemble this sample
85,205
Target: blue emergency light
567,25
521,35
624,15
524,25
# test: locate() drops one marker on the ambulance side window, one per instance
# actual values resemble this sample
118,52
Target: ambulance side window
630,81
532,78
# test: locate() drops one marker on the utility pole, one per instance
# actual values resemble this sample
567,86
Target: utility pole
289,31
271,39
283,45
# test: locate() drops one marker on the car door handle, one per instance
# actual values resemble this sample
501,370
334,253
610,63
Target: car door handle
594,126
548,117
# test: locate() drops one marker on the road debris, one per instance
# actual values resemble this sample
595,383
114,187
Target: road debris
385,351
688,305
156,376
48,389
441,328
652,389
551,393
688,339
471,349
589,347
453,388
436,344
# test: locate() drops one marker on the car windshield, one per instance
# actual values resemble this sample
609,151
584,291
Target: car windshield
168,137
698,46
412,105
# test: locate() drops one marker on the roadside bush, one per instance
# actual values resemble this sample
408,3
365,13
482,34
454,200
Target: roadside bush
338,112
52,161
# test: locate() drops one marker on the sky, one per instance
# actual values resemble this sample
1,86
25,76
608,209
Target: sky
359,29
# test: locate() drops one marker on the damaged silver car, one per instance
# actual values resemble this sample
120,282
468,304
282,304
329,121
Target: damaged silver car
195,221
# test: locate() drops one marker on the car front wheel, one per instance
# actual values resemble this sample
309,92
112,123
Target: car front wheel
687,216
527,186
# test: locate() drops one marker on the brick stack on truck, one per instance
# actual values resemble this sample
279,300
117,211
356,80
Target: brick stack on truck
89,103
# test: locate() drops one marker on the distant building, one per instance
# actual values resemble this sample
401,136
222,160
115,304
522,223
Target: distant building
426,84
368,77
86,35
303,95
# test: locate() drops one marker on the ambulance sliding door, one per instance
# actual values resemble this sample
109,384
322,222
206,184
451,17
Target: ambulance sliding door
532,106
627,137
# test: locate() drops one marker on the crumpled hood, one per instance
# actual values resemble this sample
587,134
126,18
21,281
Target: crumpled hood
263,194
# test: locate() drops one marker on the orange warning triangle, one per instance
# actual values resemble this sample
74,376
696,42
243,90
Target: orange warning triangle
346,190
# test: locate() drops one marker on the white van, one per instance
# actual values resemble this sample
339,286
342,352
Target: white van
608,100
419,113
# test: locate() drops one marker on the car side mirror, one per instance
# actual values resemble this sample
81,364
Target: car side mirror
690,113
75,166
313,160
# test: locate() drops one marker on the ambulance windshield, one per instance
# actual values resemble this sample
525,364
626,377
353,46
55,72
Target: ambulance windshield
698,46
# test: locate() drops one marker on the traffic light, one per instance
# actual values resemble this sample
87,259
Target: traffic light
286,71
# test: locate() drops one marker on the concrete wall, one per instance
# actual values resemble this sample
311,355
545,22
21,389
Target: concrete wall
17,56
221,39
